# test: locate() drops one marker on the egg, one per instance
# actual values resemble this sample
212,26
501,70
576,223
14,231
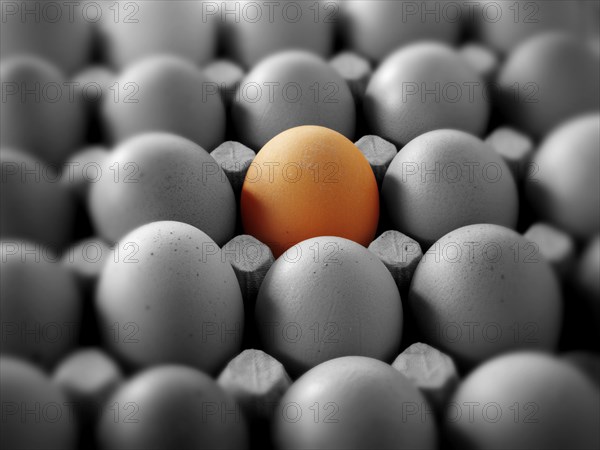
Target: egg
504,25
563,184
35,205
166,295
482,290
376,28
354,402
59,32
446,179
35,412
40,303
290,89
165,93
423,87
586,279
546,80
172,407
524,400
82,170
328,297
39,112
255,30
309,181
160,176
132,31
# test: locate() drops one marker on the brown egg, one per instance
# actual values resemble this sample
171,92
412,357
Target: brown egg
446,179
59,32
328,297
546,80
172,407
167,295
165,93
39,112
482,290
134,30
40,302
35,413
254,30
563,184
287,90
159,176
354,402
375,28
424,87
35,205
524,401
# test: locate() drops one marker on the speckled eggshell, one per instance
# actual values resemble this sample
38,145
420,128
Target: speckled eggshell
502,25
61,33
546,80
328,297
35,205
159,176
172,407
133,31
260,29
446,179
25,389
287,90
167,295
38,112
39,302
563,184
524,400
376,28
423,87
165,93
482,290
354,402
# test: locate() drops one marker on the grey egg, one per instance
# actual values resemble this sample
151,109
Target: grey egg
35,204
40,301
36,414
39,112
159,176
165,93
424,87
167,295
287,90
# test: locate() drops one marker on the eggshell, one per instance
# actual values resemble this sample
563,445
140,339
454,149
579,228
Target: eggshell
172,407
328,297
525,401
254,30
135,30
546,80
36,414
424,87
39,112
504,25
446,179
35,205
165,93
375,28
354,402
290,89
306,182
59,32
159,176
483,290
168,296
40,303
563,184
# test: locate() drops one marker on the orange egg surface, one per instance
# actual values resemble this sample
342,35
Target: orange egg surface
306,182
